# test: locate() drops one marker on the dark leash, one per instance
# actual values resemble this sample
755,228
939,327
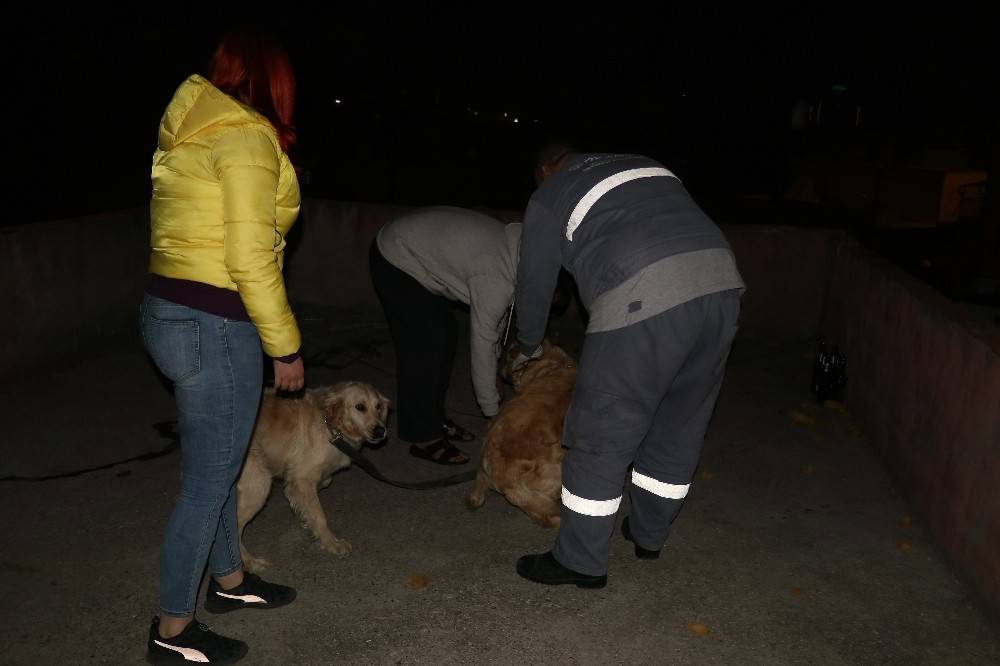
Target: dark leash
358,458
166,429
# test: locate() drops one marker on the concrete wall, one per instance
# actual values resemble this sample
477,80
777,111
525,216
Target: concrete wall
71,283
328,253
785,268
327,261
66,284
924,380
786,271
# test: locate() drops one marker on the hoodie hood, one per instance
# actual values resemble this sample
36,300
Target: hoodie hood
197,106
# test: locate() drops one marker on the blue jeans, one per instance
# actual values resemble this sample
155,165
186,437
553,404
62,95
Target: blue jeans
216,367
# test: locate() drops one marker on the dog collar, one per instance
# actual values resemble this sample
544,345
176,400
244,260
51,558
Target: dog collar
335,435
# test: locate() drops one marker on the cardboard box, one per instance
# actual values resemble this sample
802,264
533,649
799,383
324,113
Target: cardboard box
924,198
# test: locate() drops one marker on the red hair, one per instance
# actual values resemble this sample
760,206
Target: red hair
254,68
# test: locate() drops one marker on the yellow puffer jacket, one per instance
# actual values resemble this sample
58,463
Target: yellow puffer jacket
224,197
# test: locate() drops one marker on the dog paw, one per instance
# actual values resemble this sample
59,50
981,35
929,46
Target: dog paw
336,546
548,522
255,564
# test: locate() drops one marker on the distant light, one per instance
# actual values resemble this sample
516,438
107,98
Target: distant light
515,120
839,87
336,101
536,120
505,114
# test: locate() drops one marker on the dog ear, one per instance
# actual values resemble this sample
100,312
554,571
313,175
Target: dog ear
334,407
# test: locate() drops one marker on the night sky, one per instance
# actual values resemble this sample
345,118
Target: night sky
423,93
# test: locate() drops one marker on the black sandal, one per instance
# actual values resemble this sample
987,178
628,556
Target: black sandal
441,452
456,432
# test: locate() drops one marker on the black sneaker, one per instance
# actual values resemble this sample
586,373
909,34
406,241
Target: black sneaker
196,644
545,569
251,593
640,552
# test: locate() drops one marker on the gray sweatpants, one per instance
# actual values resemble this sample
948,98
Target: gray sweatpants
644,396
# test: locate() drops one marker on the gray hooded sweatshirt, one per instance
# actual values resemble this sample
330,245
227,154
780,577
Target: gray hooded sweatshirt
464,256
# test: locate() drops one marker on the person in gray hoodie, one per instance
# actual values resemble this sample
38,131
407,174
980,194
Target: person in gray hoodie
421,264
663,292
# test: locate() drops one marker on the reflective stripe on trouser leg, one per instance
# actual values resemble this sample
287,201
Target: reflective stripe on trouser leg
654,506
587,507
585,531
660,488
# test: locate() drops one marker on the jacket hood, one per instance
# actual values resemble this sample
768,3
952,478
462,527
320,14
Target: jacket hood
198,105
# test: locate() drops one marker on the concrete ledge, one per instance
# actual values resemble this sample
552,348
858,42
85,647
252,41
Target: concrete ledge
925,381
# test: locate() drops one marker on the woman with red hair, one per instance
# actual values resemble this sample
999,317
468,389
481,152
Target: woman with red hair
224,197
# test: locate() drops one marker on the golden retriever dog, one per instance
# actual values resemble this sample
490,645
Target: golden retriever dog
291,441
522,449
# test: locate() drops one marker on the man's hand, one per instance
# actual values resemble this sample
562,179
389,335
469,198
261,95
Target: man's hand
521,359
289,376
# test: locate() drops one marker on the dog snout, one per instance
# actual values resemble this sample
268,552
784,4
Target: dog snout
378,432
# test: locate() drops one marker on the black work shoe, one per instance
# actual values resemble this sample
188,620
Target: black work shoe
545,569
196,644
640,552
251,593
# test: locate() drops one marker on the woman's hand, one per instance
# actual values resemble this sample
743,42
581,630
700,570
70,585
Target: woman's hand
289,376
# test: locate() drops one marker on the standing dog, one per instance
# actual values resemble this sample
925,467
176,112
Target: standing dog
292,441
522,449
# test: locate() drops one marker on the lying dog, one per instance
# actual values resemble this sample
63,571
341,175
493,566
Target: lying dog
291,440
522,448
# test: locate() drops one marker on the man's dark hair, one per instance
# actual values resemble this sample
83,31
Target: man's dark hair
554,150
